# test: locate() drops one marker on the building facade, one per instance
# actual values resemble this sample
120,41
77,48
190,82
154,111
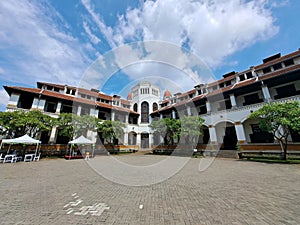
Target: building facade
224,104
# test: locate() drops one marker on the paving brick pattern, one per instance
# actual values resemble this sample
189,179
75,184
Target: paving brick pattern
228,192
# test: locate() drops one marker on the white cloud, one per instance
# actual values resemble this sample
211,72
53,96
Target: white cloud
36,47
92,36
213,29
106,31
3,99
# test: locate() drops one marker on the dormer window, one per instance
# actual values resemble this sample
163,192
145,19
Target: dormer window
249,75
70,91
267,70
242,77
289,62
277,66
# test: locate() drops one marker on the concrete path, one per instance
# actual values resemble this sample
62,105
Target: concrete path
73,192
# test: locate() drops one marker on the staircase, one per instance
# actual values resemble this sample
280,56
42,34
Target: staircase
227,154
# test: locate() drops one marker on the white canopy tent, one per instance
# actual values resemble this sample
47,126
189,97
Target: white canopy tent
81,141
25,139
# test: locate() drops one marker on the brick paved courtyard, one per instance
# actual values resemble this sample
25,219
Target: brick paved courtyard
71,192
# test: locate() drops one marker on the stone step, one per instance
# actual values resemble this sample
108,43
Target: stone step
227,154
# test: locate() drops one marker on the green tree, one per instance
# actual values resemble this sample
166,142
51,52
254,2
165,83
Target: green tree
18,123
168,128
111,130
191,128
73,126
279,118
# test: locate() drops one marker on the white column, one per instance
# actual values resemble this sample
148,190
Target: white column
79,110
266,93
112,116
126,118
58,107
189,111
232,100
173,114
240,133
160,116
138,140
212,134
150,140
53,135
208,107
125,138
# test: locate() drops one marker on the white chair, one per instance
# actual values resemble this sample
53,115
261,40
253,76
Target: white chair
37,157
29,157
10,158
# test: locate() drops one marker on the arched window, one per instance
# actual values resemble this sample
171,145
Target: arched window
154,107
145,112
135,107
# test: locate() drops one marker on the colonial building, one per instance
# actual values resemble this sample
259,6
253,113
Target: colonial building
224,104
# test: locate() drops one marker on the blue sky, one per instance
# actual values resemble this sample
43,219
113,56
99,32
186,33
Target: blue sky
58,41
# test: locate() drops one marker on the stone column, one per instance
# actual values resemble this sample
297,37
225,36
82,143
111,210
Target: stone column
266,93
58,107
240,133
188,109
232,100
173,114
53,135
112,116
138,140
150,140
79,110
212,135
125,138
208,106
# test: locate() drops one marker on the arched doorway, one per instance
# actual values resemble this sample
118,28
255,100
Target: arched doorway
226,135
135,107
154,107
145,140
132,138
145,112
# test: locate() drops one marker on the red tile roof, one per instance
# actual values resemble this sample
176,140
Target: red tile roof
282,58
66,97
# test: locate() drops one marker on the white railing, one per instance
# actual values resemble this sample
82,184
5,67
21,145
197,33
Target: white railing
252,106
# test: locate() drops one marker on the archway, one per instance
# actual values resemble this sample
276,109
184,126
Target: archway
226,135
154,107
135,107
132,138
145,140
145,112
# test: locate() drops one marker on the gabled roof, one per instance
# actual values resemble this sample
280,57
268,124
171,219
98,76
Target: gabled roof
25,139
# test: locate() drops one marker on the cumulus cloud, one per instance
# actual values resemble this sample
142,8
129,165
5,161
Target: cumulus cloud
211,29
37,48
